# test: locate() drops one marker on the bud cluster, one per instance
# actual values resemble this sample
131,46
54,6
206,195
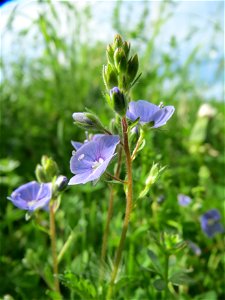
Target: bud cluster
121,69
47,170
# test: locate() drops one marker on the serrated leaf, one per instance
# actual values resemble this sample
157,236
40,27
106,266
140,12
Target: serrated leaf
155,262
159,284
181,278
83,287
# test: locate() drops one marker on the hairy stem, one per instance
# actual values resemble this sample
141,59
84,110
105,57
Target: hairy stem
128,209
53,246
109,214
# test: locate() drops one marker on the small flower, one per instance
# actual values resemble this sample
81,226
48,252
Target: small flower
149,113
32,196
210,222
91,160
184,200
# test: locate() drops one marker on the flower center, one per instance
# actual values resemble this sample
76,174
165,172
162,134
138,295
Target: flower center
31,203
211,222
97,163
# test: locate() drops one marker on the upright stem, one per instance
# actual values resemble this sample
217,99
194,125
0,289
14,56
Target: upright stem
128,208
110,212
53,246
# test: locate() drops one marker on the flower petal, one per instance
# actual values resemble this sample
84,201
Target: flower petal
162,116
76,145
141,109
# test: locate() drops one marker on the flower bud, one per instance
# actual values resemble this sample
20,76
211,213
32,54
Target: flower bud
61,183
126,48
132,67
47,170
118,41
40,174
109,54
51,169
118,101
87,121
120,60
110,76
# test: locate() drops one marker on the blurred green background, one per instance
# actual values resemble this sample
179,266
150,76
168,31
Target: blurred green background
51,60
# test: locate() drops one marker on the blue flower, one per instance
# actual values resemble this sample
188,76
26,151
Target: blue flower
149,113
90,161
210,222
32,196
184,200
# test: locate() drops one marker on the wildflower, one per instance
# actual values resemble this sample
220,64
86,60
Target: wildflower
32,196
91,160
210,222
149,113
184,200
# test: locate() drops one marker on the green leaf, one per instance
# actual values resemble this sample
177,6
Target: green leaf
159,284
181,278
155,262
81,286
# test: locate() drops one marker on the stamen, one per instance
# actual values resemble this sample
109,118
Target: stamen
81,157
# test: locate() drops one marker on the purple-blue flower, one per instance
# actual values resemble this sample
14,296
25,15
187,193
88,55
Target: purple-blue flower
210,222
149,113
90,161
184,200
32,196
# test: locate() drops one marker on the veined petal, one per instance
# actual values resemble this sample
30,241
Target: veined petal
141,109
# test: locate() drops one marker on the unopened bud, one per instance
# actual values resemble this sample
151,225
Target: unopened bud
47,170
87,121
120,60
118,41
51,169
110,54
40,174
61,183
132,67
118,101
126,48
110,76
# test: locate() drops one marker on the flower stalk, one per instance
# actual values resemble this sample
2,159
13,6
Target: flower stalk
110,212
129,196
53,246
